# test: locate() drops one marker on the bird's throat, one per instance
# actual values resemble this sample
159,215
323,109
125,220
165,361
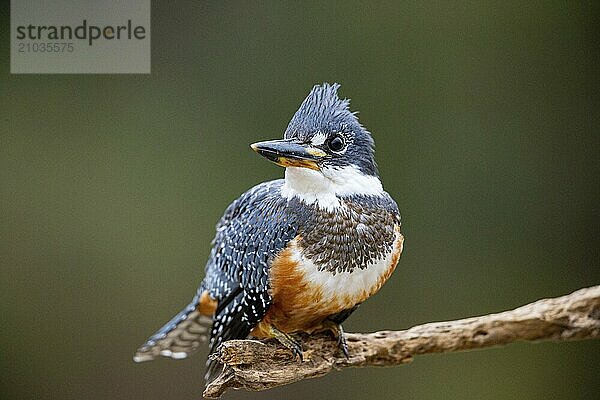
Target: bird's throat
326,187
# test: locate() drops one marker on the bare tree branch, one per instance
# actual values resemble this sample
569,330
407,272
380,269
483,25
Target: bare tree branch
260,365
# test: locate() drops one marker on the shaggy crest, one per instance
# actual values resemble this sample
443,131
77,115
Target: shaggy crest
322,111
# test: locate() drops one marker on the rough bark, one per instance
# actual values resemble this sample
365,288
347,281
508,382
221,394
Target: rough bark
260,365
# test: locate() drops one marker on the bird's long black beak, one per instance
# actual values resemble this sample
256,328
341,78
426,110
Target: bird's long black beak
290,153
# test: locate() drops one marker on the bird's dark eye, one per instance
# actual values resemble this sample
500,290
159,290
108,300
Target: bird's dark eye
336,143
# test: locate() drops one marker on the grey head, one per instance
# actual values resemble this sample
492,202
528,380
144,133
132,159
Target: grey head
322,134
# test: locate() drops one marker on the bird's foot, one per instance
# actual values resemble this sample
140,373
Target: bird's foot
288,341
338,333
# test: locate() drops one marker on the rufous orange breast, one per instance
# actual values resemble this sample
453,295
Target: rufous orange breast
304,296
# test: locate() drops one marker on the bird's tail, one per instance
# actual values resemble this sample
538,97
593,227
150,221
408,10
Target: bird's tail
179,337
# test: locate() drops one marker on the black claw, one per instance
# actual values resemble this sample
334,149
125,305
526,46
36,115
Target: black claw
342,345
338,333
299,354
297,349
289,342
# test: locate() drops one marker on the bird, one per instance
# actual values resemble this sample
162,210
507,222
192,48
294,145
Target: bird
297,254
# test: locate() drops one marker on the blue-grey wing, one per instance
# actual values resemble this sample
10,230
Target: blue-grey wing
253,230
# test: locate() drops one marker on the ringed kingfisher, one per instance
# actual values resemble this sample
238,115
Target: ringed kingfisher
295,254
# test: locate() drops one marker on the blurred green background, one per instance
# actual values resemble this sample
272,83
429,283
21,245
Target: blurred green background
486,122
